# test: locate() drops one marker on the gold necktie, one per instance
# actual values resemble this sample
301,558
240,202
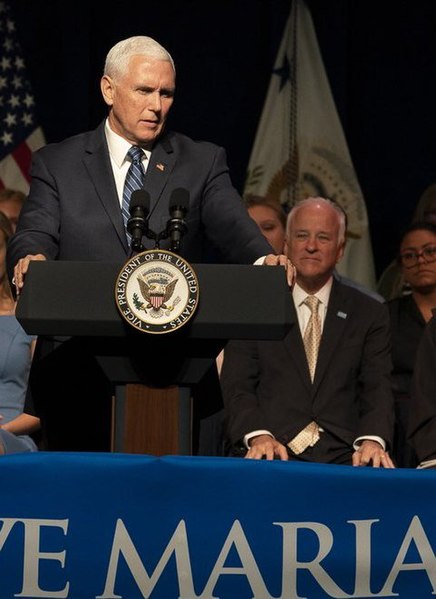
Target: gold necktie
309,436
312,334
305,438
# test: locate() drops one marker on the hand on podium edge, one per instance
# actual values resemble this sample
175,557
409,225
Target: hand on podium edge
21,268
282,260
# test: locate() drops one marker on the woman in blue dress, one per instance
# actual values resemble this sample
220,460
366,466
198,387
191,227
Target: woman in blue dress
16,349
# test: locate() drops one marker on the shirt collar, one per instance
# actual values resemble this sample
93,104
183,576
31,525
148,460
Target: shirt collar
323,294
118,146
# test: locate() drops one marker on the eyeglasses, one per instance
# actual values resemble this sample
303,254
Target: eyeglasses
411,257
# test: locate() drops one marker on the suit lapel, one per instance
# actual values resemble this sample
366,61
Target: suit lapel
97,163
335,324
162,161
295,347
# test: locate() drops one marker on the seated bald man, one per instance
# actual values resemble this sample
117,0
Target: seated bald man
323,394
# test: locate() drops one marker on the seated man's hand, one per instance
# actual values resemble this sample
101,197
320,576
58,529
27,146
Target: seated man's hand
282,260
267,447
371,453
21,268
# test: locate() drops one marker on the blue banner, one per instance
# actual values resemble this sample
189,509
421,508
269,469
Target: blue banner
124,526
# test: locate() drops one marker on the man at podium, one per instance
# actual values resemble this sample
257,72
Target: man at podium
79,202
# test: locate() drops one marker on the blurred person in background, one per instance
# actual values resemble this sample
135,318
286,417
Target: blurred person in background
409,315
16,348
270,218
391,283
11,202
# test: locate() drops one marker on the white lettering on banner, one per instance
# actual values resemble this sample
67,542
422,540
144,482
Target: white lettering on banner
291,564
366,565
249,568
416,534
363,558
33,555
123,545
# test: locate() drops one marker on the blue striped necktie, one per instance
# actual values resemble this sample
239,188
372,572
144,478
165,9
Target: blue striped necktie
134,180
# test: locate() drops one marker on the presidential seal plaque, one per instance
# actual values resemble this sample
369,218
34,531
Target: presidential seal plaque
157,291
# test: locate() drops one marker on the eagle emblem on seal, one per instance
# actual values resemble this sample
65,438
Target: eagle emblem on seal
156,291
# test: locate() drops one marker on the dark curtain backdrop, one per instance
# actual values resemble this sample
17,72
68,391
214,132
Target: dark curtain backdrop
380,57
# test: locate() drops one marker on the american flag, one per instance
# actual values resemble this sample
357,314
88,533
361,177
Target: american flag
19,133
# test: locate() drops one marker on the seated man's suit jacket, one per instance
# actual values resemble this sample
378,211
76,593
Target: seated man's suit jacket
267,386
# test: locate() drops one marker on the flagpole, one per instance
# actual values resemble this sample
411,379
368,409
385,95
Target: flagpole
292,164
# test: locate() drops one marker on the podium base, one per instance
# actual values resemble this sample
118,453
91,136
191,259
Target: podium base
152,421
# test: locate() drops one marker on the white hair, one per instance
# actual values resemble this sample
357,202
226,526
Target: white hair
342,216
118,57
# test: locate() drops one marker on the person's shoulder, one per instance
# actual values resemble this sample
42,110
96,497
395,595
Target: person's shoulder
79,140
9,325
360,297
359,287
180,140
399,302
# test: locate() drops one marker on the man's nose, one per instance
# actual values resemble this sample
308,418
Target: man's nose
311,244
155,102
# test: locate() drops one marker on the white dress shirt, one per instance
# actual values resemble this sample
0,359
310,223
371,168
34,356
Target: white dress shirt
118,148
303,311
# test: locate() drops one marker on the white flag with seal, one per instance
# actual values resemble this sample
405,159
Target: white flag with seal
300,148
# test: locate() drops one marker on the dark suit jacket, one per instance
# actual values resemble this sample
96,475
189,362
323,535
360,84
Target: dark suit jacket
73,211
407,328
266,384
422,419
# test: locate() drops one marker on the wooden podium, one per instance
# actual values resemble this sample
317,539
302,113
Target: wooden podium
151,375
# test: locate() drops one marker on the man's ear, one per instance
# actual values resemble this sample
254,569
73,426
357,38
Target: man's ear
341,251
107,89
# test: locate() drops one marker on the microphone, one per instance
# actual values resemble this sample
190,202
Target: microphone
137,224
176,227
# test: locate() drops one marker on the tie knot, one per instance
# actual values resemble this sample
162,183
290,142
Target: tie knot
312,303
135,154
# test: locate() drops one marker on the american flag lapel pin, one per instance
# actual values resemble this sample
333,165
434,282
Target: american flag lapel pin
160,166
